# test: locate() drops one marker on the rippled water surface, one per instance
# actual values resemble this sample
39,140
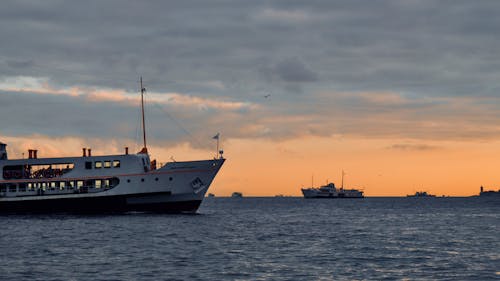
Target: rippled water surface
263,239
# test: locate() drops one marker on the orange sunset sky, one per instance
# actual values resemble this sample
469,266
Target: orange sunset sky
401,95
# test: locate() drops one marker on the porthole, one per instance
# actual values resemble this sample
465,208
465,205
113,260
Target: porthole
156,179
142,179
128,180
170,179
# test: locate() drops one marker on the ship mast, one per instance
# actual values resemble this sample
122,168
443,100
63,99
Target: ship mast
342,179
143,90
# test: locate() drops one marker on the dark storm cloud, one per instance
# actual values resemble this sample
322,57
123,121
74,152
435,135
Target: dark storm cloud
438,47
19,64
290,70
55,116
423,51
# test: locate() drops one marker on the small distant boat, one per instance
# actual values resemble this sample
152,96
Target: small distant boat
489,193
237,195
421,194
210,195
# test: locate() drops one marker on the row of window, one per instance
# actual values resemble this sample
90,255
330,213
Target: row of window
102,164
59,185
36,171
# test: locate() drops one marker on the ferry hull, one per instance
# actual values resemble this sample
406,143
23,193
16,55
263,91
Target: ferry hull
177,187
158,202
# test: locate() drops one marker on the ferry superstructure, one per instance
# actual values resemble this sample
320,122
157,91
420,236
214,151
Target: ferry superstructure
126,182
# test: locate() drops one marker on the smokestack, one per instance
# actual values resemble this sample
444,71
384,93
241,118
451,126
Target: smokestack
126,150
3,151
34,153
84,152
90,151
30,153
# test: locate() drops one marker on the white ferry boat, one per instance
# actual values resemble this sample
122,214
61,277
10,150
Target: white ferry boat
330,191
107,183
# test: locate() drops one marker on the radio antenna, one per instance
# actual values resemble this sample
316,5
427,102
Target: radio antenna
143,90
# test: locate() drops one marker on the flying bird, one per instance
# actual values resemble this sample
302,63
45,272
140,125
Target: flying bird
266,96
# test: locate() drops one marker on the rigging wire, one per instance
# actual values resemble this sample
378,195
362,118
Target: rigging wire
178,124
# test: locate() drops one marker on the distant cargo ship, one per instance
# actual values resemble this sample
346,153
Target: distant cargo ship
421,194
489,193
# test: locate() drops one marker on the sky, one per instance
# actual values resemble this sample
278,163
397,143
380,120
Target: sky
402,95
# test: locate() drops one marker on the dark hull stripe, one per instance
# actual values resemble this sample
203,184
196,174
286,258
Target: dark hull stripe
332,197
102,204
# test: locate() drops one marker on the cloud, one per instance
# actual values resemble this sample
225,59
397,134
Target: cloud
413,147
287,16
113,113
173,117
381,46
202,103
19,64
293,70
41,86
412,69
67,146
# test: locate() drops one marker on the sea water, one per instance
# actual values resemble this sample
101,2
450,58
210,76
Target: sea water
281,238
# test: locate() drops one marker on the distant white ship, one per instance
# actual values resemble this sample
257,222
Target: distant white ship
330,191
